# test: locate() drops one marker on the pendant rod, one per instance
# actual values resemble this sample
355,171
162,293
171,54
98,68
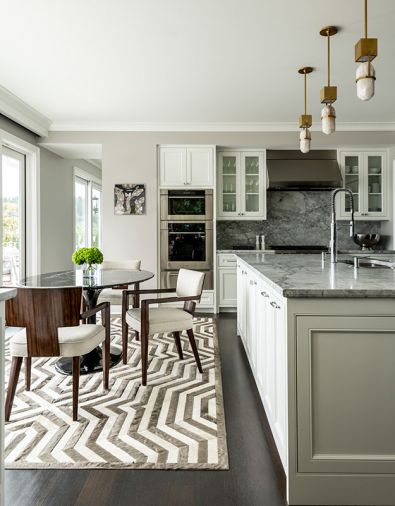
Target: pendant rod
305,93
366,19
329,59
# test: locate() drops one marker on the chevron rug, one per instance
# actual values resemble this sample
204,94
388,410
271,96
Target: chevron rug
176,422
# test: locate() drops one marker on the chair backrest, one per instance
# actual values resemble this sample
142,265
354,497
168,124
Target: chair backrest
41,311
189,283
132,265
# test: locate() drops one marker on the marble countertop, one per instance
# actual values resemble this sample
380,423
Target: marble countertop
294,252
305,276
7,293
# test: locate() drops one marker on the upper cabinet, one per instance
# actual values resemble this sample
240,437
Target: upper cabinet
241,185
191,166
365,173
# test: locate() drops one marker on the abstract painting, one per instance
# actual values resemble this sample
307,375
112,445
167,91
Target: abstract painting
129,199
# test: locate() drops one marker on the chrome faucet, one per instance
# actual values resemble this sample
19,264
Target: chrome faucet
333,243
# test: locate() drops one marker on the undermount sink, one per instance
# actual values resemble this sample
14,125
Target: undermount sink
373,263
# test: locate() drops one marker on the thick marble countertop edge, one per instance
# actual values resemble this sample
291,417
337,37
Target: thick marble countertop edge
305,276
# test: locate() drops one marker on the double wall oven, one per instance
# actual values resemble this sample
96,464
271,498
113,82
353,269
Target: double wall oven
186,234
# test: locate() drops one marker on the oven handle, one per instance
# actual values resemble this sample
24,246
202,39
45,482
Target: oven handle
187,233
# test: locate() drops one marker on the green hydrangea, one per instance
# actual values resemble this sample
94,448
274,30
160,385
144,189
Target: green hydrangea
87,256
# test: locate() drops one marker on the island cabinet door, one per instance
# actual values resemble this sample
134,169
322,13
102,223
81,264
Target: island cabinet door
262,308
242,295
345,394
251,320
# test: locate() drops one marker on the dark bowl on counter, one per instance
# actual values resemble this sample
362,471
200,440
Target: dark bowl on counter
366,241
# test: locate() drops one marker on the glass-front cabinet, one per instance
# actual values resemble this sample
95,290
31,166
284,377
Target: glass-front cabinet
241,185
365,174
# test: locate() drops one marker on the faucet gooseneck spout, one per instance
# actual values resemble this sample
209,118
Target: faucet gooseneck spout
333,243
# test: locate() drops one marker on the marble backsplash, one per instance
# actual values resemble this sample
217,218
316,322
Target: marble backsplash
293,218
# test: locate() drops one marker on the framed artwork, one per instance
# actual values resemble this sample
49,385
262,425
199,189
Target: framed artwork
129,199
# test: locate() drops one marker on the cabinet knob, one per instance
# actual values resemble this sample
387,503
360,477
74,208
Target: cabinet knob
264,294
274,304
255,283
251,282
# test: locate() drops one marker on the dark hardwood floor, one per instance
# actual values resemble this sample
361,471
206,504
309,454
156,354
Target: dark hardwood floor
255,476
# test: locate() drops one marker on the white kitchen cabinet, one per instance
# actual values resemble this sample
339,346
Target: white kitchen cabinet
365,173
262,327
241,185
186,166
226,280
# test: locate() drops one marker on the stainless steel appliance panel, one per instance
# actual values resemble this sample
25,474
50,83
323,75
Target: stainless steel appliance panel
188,245
186,205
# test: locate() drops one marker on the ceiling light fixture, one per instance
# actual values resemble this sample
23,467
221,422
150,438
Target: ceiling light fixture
305,120
365,52
328,93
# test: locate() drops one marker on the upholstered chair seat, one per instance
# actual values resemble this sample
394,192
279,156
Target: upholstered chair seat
73,341
114,295
161,320
146,321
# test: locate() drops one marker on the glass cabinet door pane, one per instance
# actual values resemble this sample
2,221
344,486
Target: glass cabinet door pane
251,182
352,180
375,184
229,184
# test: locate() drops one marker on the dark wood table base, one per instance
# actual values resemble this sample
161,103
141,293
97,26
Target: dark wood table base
90,363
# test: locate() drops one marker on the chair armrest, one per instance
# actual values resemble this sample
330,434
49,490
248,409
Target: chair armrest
153,290
100,307
165,300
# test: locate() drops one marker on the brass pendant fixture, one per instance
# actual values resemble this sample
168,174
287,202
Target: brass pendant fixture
365,52
305,120
328,93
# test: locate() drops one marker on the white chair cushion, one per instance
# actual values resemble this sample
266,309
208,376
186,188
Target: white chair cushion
189,283
132,265
73,341
161,320
111,295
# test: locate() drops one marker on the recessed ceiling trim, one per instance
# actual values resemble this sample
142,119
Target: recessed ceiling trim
17,110
216,127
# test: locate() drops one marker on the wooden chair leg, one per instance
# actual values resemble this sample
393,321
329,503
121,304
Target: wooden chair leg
137,336
106,358
28,372
12,384
191,337
144,358
76,386
125,332
178,344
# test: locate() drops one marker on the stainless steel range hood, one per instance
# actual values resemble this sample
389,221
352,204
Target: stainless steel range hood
293,170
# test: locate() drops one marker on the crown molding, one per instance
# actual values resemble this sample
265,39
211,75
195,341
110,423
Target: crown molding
17,110
215,127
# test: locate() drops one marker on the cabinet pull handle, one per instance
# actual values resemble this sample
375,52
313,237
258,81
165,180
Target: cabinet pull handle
274,304
255,283
264,294
251,282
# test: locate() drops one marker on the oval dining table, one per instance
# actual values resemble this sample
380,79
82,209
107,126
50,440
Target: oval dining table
91,287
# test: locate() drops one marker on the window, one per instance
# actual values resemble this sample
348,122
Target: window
13,177
87,210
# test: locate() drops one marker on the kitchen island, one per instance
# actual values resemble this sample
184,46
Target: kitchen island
320,339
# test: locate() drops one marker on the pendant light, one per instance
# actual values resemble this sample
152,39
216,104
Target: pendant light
305,120
328,93
365,52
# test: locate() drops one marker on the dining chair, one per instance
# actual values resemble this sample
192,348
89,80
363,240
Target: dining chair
50,319
148,321
114,295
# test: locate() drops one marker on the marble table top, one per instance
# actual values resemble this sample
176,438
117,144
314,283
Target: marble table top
7,293
103,278
299,275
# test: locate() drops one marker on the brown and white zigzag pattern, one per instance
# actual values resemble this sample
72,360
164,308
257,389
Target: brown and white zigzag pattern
177,421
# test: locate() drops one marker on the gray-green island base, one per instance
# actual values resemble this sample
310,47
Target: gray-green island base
320,339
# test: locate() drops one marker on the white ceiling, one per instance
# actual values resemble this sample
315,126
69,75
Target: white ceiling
117,63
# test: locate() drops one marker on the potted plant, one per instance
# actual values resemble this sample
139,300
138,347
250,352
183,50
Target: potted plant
89,257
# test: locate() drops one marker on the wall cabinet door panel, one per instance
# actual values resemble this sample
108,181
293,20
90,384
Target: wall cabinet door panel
200,166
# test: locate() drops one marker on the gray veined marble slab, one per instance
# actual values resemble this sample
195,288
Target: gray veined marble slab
307,276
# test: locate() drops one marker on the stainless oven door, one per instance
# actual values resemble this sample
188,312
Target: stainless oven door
168,279
186,205
188,245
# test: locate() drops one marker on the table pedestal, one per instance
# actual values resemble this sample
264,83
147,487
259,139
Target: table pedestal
92,361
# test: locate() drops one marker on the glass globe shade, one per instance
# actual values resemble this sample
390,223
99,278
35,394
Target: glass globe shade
305,140
365,81
328,119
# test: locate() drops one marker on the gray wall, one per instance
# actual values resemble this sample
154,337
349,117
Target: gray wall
130,157
293,218
56,200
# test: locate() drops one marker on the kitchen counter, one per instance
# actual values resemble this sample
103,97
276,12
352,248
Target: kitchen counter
301,275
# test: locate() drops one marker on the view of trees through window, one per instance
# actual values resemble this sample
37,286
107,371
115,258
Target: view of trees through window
87,214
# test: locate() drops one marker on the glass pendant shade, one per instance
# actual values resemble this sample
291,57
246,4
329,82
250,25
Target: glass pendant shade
365,78
305,140
328,119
